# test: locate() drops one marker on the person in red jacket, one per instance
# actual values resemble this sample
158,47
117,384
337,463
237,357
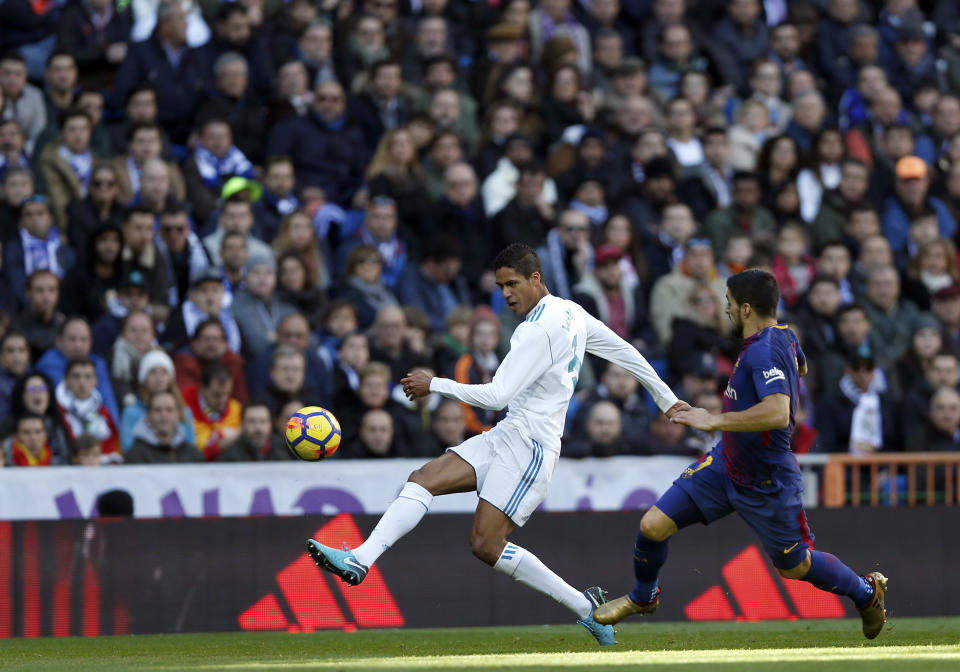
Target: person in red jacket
217,415
83,409
209,344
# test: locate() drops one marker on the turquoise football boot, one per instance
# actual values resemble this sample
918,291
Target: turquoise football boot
342,563
602,633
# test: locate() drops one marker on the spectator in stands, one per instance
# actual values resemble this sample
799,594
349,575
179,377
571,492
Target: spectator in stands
926,341
792,266
294,331
177,71
205,302
477,365
140,254
940,432
96,33
22,102
327,146
395,171
669,298
256,309
567,255
99,208
154,374
86,453
33,394
353,353
941,371
609,296
745,213
298,236
135,339
912,193
500,186
91,286
216,414
387,342
363,284
528,217
604,435
666,438
701,327
435,286
84,409
677,56
236,215
379,230
182,253
447,429
315,50
67,163
459,213
946,308
278,200
741,37
373,393
14,360
711,185
131,295
891,316
144,141
256,441
30,446
215,159
837,204
36,246
158,437
375,437
295,289
209,343
621,389
59,91
74,342
233,33
932,268
287,380
233,264
777,166
859,417
12,141
40,321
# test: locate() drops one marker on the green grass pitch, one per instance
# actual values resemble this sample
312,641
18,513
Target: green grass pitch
906,645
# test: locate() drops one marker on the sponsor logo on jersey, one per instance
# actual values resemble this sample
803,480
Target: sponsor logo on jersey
730,393
772,374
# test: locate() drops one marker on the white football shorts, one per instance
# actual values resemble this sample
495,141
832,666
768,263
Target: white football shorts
513,471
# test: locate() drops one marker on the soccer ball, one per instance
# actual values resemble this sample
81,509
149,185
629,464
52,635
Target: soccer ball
313,433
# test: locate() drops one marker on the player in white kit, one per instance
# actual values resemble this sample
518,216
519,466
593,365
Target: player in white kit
510,466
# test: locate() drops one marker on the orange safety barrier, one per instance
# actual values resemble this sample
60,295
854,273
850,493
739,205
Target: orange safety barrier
842,476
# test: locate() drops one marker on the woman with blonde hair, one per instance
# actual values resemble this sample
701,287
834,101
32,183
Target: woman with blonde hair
298,236
395,171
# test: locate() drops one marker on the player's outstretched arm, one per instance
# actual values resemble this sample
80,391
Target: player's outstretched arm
528,359
773,412
603,342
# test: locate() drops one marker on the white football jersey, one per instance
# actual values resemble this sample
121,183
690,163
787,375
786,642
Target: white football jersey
538,376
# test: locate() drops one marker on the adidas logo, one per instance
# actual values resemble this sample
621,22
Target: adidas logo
314,606
752,583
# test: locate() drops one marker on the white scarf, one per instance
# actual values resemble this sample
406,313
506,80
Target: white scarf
41,253
866,425
83,415
193,316
81,165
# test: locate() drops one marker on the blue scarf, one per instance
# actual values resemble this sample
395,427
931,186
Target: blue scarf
81,165
394,254
213,169
6,165
283,206
41,253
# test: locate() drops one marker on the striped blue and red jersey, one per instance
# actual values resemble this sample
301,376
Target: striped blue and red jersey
769,363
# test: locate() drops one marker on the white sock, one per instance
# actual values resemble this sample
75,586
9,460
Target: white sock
523,566
399,518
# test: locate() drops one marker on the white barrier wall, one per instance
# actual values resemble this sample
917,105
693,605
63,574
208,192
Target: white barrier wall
296,488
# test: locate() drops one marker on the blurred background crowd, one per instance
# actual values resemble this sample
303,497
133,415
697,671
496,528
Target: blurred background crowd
213,213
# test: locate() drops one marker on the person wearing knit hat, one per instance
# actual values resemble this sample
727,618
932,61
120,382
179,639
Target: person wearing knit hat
155,373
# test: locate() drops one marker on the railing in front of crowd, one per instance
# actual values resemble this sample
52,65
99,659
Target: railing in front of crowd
892,479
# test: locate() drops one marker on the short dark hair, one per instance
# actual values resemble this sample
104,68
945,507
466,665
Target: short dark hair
384,63
29,415
57,53
756,287
138,126
211,322
228,9
520,257
256,404
71,113
442,247
851,308
214,372
12,334
79,361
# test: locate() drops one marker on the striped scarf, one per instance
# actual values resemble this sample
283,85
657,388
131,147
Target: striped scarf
213,170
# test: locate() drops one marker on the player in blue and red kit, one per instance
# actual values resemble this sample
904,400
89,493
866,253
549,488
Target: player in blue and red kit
751,470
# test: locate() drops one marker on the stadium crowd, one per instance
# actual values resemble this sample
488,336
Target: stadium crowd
212,214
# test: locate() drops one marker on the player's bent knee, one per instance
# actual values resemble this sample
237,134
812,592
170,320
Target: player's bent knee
486,549
797,572
656,525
